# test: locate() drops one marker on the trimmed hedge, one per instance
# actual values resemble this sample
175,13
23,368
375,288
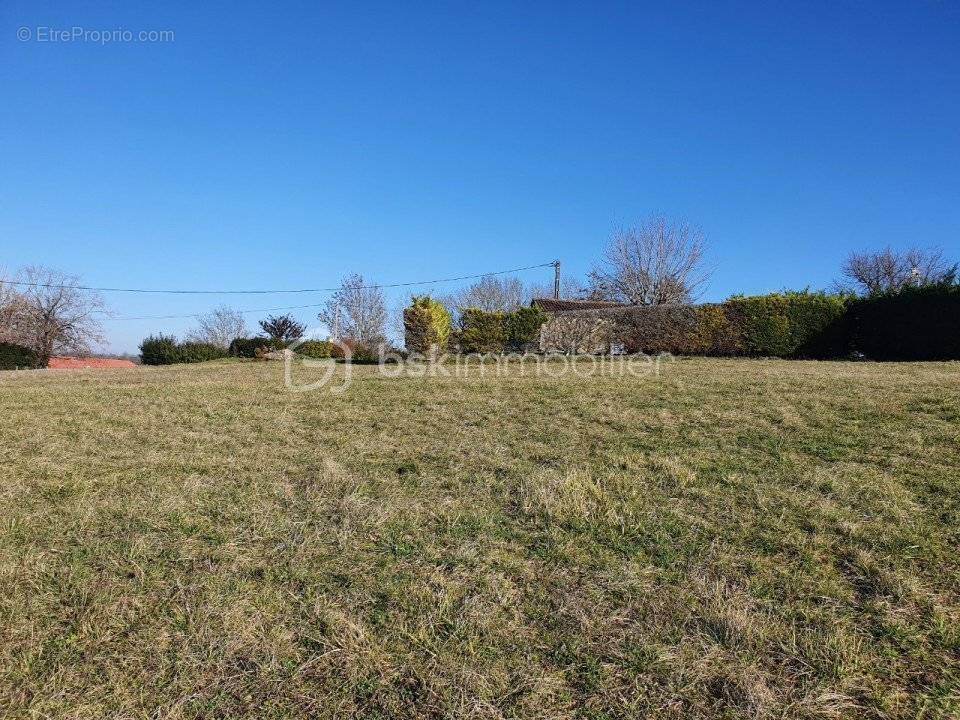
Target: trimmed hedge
918,323
677,329
165,350
15,357
915,324
790,324
426,325
482,331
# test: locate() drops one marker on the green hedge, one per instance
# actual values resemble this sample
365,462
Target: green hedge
482,331
247,347
790,324
523,326
17,357
915,324
165,350
676,329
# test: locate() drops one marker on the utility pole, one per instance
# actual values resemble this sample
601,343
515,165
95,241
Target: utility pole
556,279
336,322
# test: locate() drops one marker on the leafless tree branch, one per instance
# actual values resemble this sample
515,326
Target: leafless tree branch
658,262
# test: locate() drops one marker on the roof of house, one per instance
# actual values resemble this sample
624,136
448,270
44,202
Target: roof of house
553,305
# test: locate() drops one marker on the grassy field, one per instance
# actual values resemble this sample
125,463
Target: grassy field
732,539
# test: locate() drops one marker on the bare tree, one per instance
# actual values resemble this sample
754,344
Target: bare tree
570,289
492,294
13,313
890,271
357,311
51,315
219,327
283,328
656,263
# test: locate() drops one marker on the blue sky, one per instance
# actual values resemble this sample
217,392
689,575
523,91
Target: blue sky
286,144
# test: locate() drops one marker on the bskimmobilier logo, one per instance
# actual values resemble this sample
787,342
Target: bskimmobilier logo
303,373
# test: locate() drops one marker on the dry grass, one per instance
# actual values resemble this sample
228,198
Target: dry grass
736,539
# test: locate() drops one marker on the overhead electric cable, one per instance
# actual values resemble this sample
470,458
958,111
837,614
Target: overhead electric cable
269,292
275,309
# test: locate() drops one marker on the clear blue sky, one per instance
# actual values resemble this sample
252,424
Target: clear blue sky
285,144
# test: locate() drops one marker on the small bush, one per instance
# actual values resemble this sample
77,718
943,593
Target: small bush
364,354
360,353
165,350
318,349
426,325
14,357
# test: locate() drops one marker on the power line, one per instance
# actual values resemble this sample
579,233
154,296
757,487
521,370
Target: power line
267,292
193,315
288,307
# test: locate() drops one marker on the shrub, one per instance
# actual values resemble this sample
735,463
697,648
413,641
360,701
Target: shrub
337,349
360,352
191,352
426,325
159,350
364,354
482,331
523,326
13,357
247,347
918,323
165,350
318,349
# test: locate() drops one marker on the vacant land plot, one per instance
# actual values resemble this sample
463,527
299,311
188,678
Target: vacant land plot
733,539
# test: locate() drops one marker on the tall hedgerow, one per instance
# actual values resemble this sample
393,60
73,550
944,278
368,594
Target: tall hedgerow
165,350
17,357
523,326
791,323
917,323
